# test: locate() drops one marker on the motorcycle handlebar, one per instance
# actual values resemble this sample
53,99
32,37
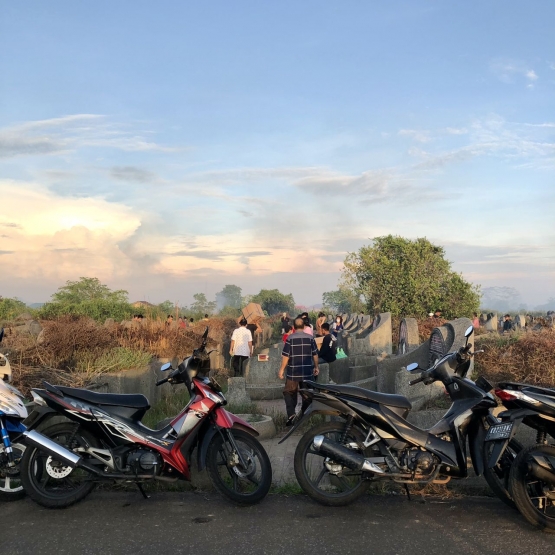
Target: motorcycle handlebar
162,381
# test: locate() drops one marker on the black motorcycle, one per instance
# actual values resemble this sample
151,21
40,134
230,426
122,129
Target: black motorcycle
532,475
371,440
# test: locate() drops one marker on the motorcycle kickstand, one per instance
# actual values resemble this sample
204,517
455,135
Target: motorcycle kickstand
408,492
139,485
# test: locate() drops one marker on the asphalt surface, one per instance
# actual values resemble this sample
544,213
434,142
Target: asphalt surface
199,523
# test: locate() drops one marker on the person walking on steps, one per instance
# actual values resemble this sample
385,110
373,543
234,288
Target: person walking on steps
241,347
299,362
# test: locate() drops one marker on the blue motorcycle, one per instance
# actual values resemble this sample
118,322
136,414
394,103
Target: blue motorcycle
12,414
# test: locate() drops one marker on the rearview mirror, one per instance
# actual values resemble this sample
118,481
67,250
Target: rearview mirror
469,331
412,367
166,366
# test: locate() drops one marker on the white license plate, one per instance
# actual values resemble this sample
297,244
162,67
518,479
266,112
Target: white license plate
499,431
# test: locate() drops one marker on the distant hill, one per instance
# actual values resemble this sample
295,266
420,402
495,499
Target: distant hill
36,305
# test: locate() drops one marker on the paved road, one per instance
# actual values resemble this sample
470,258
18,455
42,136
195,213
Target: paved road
196,523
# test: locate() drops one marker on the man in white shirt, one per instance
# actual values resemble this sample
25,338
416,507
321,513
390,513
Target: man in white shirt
241,347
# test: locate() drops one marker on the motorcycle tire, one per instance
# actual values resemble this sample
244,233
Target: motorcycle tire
498,476
534,498
49,482
11,488
244,486
323,487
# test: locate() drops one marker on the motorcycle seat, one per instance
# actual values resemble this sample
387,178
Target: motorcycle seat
387,399
135,401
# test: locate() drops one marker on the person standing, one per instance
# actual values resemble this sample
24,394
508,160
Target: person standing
299,362
285,323
241,347
475,321
319,321
337,326
327,350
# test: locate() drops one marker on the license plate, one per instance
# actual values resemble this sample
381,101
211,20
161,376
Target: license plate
499,431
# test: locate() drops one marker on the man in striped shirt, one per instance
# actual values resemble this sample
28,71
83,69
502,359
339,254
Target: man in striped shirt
300,358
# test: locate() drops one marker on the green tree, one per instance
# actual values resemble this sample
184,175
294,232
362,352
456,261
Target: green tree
11,308
202,306
273,302
166,307
230,296
88,297
341,301
408,278
87,289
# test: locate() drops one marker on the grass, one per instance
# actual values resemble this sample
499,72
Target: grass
442,402
167,407
114,360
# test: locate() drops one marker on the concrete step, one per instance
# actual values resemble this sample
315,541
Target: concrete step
362,372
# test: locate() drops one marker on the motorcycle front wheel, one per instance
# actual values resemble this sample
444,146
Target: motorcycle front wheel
323,479
498,476
239,469
534,498
11,488
48,481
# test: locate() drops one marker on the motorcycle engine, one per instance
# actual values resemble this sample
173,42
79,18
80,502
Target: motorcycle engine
144,460
417,460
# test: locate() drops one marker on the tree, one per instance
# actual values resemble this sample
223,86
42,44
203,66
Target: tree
230,295
341,301
408,278
87,289
201,305
87,297
273,302
11,308
166,307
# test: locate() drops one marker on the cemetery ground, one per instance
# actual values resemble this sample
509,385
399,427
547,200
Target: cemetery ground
204,523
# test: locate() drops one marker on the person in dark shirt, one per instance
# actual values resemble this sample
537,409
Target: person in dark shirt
507,323
327,350
299,363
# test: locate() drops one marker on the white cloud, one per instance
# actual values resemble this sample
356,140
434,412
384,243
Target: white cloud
513,71
420,136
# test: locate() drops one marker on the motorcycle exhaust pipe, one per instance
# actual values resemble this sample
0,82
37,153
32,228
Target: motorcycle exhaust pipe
347,457
541,473
35,439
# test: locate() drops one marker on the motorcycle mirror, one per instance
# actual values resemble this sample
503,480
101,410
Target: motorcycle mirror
166,366
412,367
469,331
205,334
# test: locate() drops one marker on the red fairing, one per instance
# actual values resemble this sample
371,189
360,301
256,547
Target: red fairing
225,419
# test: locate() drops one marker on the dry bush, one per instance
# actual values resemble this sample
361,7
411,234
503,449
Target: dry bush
520,356
427,325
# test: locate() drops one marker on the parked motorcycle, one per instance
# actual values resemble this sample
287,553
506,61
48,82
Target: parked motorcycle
532,474
106,441
12,414
336,461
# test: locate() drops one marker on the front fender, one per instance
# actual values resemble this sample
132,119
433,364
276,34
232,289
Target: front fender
223,419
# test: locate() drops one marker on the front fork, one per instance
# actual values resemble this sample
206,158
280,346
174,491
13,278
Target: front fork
228,432
6,441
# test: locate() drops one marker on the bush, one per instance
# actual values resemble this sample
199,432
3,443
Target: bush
11,308
527,357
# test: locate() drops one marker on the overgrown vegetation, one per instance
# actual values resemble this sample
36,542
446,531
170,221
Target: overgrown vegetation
520,356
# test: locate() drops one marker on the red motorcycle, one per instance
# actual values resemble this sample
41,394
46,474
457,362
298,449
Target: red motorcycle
104,440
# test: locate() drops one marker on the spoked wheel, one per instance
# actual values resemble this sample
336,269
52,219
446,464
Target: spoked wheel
11,488
242,472
50,482
324,480
498,476
534,497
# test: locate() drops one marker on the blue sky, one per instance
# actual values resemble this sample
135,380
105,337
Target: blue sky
171,148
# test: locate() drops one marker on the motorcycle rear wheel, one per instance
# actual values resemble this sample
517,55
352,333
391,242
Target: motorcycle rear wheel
244,486
11,488
534,498
498,477
313,475
49,482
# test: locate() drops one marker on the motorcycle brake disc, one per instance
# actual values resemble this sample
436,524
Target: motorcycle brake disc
58,470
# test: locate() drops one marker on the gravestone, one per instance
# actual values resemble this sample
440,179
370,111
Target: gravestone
237,392
409,338
520,321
